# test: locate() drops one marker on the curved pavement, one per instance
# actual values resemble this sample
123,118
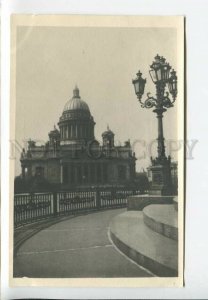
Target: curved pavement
77,247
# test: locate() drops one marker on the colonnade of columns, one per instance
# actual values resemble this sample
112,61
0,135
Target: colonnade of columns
76,131
85,173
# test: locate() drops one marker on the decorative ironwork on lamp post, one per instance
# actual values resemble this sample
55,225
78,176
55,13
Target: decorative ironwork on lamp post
163,77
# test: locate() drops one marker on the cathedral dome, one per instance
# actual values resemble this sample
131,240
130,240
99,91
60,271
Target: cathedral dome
76,103
76,123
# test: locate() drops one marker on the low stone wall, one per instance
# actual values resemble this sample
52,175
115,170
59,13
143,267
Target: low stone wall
148,263
138,202
164,229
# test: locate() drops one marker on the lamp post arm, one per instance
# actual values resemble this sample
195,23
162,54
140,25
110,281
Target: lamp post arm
166,102
149,102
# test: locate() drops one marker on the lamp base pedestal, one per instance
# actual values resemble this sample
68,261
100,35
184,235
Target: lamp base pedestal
161,177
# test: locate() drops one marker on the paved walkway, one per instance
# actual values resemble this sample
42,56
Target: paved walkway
78,247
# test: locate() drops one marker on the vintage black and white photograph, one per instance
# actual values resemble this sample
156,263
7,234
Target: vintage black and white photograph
97,168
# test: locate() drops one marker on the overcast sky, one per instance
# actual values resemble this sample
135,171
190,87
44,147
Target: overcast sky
102,62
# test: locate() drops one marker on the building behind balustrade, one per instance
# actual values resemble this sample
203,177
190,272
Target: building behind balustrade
72,157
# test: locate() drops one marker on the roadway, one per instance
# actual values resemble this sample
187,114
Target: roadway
75,248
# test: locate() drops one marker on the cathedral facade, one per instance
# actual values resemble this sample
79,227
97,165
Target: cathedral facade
72,157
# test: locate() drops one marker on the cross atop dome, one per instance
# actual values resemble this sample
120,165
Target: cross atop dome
76,92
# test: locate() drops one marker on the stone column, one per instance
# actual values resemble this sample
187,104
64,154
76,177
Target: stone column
89,131
95,172
79,127
76,131
87,134
69,133
69,173
82,131
98,173
64,132
70,127
85,131
92,173
61,175
72,173
23,171
89,174
86,173
82,172
102,175
75,174
73,131
127,172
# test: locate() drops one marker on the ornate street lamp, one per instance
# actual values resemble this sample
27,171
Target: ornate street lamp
162,76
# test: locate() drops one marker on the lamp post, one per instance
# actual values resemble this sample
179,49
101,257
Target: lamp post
163,77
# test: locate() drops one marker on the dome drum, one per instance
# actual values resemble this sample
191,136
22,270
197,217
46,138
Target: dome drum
77,114
77,131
